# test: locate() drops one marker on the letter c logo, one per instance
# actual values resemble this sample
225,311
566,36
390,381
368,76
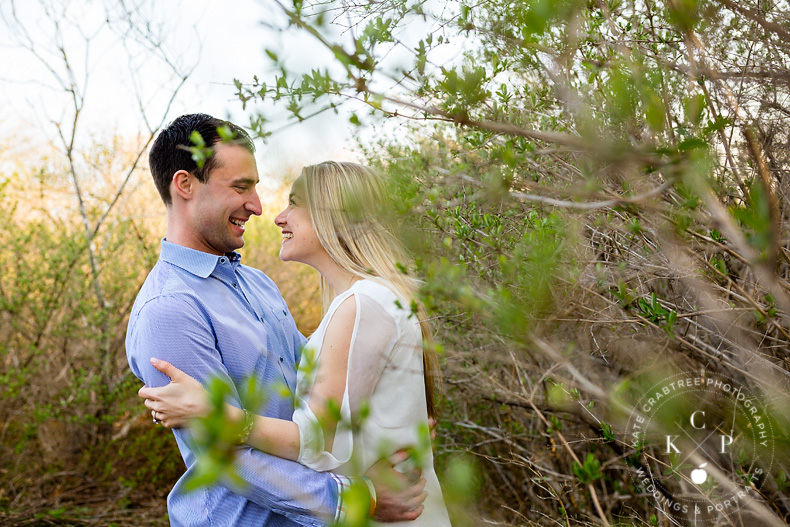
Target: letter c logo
692,420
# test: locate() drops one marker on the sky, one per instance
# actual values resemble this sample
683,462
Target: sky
223,41
217,41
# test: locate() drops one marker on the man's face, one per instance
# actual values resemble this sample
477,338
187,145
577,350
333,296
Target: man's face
223,204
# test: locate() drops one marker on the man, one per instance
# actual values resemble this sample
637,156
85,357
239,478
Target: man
207,314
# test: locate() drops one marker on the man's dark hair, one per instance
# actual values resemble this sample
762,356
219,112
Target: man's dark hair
171,149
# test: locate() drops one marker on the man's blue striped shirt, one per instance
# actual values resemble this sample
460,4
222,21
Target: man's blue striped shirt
211,316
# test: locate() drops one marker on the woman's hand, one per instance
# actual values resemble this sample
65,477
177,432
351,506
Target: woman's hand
175,404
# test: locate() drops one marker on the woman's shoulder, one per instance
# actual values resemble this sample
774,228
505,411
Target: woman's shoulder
374,287
382,293
367,290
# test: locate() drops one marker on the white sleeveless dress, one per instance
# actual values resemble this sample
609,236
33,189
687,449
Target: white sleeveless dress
385,379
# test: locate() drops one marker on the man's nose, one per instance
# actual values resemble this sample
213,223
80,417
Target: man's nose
254,203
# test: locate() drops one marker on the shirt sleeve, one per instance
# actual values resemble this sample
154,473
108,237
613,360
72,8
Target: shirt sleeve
372,342
175,329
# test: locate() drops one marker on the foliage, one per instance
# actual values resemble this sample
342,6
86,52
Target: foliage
67,399
74,251
216,437
596,196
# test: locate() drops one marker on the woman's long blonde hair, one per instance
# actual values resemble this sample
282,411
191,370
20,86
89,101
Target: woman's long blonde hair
346,203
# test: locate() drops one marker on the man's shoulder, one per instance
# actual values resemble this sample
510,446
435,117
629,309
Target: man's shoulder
165,284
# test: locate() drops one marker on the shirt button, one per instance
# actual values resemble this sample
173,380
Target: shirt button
282,359
284,312
235,284
223,260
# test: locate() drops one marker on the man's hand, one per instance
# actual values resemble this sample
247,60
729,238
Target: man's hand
399,496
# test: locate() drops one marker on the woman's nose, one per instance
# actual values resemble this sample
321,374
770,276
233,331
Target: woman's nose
279,220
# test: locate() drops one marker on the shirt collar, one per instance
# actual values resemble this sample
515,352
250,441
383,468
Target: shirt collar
196,262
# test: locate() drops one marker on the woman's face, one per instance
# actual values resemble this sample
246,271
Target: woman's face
300,243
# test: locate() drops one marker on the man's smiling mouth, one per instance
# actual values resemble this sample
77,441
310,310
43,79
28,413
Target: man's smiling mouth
238,223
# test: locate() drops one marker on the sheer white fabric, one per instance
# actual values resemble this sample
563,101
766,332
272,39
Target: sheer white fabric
385,379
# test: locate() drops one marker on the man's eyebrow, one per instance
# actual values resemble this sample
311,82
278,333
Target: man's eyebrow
246,181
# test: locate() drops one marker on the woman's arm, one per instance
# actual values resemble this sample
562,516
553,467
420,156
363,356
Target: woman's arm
330,378
184,398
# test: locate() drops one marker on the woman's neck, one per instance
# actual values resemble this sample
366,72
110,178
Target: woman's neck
338,278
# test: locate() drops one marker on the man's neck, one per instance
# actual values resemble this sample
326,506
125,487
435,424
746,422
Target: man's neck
177,232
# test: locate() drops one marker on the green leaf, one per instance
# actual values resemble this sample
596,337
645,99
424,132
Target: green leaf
226,134
588,472
693,107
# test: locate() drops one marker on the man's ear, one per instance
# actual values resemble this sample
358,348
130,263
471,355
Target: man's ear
183,184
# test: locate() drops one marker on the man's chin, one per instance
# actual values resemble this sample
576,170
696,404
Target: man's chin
230,247
237,242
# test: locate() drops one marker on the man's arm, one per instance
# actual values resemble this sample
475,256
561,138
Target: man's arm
174,329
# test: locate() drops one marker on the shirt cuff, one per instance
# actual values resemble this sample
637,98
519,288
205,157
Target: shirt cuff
343,483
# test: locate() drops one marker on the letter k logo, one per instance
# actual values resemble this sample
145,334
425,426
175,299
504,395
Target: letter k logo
671,445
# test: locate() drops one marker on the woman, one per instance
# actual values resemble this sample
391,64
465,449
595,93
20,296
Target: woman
366,357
